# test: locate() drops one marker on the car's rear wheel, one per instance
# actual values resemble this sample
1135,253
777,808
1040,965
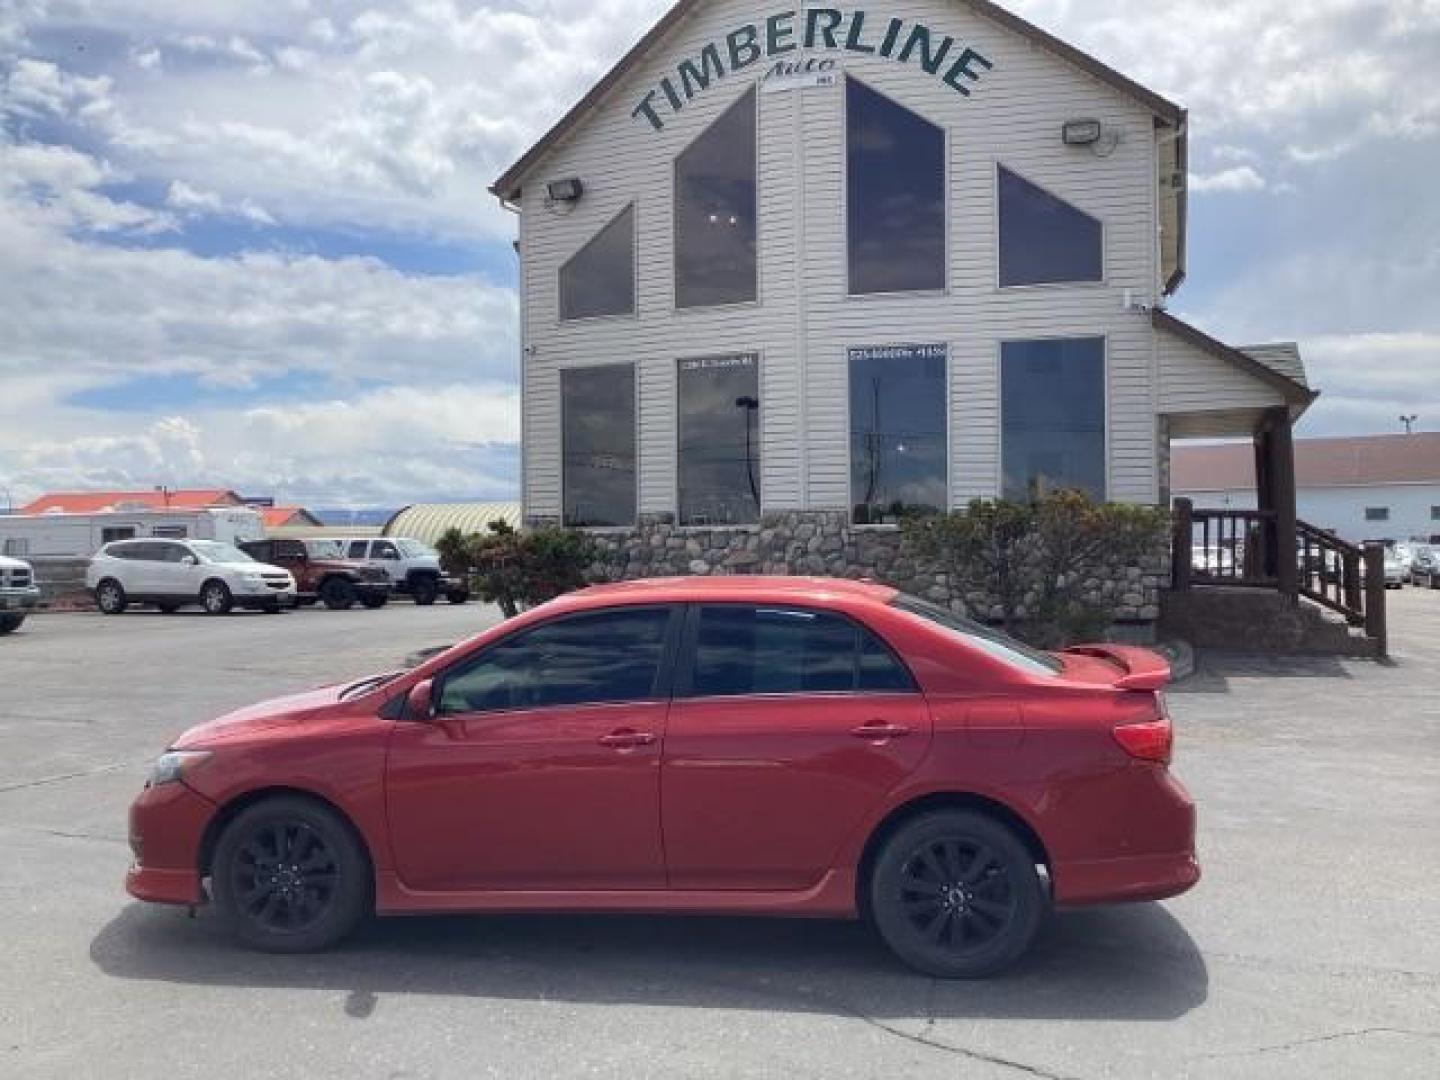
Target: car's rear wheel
424,590
373,602
458,596
956,894
289,875
215,598
10,623
110,597
338,594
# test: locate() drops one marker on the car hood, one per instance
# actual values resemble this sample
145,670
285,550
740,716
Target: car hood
264,716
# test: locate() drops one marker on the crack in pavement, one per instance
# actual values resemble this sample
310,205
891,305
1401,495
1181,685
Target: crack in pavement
1313,1039
24,785
66,835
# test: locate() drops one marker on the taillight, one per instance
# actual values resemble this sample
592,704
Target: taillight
1149,741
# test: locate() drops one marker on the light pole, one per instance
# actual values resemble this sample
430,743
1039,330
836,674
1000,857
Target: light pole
1409,422
750,405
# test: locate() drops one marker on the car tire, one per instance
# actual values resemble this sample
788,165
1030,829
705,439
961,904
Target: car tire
373,602
458,596
110,597
955,894
290,875
424,590
337,594
10,623
215,597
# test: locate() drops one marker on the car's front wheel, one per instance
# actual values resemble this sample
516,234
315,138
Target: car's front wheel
110,597
10,623
956,894
215,598
289,875
424,590
338,594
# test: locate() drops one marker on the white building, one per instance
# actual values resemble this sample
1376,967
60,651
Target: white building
856,261
1374,487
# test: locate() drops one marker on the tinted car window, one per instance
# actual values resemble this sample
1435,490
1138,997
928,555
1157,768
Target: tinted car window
605,656
772,650
172,553
385,550
357,549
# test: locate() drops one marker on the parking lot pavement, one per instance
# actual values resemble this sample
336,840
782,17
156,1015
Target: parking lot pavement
1311,948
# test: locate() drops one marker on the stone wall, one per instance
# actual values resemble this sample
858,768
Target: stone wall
825,543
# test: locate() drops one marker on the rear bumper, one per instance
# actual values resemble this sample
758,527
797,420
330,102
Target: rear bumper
1146,877
167,827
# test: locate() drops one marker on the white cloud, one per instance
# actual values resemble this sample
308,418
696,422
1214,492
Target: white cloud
1239,178
193,201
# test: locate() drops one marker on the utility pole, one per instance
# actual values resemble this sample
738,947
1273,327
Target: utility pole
1409,422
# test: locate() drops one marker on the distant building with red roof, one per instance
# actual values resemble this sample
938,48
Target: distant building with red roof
96,502
288,517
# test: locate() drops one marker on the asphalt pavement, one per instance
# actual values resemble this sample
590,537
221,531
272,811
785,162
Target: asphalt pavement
1310,948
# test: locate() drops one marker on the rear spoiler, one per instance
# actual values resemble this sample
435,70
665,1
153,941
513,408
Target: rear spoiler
1144,669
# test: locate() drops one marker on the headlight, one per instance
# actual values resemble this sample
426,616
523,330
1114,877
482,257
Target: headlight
172,765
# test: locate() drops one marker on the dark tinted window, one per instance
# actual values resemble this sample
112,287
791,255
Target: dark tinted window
173,553
116,532
598,416
895,200
1053,416
599,279
124,551
357,548
897,431
772,650
606,656
715,211
719,459
1044,239
384,549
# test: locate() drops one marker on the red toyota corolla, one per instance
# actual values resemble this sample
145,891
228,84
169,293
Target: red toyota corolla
767,746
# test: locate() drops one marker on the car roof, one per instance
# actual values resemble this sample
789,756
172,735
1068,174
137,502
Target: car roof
751,588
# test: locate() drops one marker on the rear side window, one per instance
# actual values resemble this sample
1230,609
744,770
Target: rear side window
357,549
776,650
584,659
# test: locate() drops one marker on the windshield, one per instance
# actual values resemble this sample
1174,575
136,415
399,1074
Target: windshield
216,552
987,639
414,549
325,549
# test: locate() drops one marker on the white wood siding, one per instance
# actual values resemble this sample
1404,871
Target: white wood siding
804,321
1191,381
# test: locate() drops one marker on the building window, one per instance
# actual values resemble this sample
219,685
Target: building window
598,443
1044,240
1052,400
897,431
1377,513
715,212
719,433
599,279
1435,513
895,195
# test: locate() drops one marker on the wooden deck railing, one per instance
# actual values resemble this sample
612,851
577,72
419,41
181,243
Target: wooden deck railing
1223,547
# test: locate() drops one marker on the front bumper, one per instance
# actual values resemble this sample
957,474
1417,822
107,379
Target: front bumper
285,598
167,827
19,599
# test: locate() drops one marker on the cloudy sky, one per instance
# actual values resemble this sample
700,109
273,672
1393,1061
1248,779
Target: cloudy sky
249,243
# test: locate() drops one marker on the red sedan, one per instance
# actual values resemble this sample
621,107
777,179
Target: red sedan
767,746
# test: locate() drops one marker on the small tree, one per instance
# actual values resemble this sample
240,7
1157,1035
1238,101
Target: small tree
517,570
1034,559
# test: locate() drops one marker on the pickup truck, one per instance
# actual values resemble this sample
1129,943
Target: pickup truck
412,567
18,593
322,573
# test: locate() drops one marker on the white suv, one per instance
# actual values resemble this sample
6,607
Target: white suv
18,593
173,573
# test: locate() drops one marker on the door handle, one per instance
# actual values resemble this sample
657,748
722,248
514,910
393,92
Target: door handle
878,729
625,739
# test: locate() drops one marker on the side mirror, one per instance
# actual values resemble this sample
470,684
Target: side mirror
189,560
419,704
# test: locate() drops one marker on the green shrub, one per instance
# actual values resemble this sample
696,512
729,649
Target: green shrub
517,570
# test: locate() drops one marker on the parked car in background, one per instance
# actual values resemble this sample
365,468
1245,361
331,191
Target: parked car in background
1425,566
1395,571
804,746
173,573
19,593
322,573
412,567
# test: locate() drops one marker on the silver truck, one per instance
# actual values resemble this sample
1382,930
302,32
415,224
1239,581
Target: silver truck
19,594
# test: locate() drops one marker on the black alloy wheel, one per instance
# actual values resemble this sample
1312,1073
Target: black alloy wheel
110,597
956,894
338,594
290,876
425,589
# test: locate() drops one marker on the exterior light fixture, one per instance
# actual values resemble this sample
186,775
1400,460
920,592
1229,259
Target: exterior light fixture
1081,132
565,191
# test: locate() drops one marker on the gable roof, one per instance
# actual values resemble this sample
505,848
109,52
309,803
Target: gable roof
276,517
95,502
1338,462
507,187
1277,365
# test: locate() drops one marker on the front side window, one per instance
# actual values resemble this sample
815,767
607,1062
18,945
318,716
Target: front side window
719,433
598,443
599,279
1043,239
895,195
1052,402
584,659
715,212
897,431
771,650
384,549
358,548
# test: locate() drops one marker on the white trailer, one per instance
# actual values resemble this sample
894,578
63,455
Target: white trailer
81,535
